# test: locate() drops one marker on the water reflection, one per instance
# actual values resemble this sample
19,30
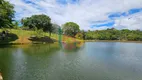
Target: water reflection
19,62
43,49
6,62
89,61
71,47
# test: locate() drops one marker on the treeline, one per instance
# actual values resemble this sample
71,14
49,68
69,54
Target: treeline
113,34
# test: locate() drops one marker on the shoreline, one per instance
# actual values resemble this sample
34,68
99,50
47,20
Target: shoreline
70,42
113,41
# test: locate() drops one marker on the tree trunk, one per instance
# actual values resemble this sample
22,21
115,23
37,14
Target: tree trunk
49,34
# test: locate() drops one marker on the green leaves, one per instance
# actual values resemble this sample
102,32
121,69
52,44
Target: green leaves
39,21
79,36
70,29
113,34
6,14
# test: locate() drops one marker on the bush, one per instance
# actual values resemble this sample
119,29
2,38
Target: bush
38,32
79,36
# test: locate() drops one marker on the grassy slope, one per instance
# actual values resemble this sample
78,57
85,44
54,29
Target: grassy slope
23,36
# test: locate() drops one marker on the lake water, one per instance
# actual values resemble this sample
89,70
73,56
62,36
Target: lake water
91,61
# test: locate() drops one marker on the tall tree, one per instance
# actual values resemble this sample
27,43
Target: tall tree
70,29
6,13
55,28
39,21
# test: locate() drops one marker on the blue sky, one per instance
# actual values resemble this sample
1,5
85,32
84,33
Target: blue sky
89,14
116,15
65,2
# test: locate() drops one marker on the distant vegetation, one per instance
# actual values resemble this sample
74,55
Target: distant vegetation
113,34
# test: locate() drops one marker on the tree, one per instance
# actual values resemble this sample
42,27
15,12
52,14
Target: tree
83,33
39,21
113,34
79,36
55,28
70,29
15,24
6,14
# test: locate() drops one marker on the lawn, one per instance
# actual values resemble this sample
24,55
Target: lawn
24,35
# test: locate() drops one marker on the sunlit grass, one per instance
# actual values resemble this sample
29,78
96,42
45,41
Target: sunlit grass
23,36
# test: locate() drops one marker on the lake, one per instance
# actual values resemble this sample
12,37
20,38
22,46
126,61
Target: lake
91,61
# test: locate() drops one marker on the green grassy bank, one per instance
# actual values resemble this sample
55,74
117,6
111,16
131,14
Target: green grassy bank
19,36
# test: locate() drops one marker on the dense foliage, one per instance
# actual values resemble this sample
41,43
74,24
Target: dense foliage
55,28
38,21
6,14
113,34
79,36
70,29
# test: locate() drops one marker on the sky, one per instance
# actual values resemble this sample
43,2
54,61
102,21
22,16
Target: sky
88,14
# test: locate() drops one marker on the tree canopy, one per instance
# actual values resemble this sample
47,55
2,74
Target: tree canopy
6,13
79,36
55,28
70,29
113,34
39,21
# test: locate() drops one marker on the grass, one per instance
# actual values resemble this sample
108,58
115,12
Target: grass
24,35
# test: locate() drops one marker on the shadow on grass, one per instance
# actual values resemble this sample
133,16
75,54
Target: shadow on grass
45,39
8,38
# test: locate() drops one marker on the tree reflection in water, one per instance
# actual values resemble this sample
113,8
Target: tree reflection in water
71,46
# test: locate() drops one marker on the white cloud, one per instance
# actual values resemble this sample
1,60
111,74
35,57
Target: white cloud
83,12
132,22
